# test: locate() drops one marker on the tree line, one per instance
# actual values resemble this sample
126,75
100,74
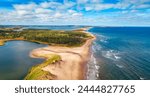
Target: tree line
68,38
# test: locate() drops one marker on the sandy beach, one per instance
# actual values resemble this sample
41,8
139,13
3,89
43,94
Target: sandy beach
73,65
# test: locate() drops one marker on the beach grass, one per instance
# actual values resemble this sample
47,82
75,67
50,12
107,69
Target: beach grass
36,72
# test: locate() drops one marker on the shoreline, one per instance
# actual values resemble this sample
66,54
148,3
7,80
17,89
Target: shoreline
73,64
1,42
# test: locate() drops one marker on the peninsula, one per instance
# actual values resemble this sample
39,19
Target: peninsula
66,56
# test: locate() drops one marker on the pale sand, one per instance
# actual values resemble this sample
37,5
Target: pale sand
74,60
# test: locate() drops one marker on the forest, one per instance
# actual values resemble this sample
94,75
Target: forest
51,37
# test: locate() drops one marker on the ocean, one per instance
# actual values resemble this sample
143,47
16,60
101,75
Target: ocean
120,53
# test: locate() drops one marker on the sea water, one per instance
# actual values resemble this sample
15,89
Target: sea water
120,53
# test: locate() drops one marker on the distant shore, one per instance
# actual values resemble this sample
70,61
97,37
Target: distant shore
73,64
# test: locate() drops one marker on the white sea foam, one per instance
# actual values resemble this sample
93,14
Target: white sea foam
102,38
111,54
141,78
94,61
120,66
117,57
97,67
97,75
96,47
93,68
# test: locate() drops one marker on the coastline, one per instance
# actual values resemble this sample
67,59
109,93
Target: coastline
73,64
1,42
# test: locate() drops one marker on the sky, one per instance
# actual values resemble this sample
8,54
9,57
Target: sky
75,12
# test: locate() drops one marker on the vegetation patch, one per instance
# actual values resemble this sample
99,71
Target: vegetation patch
36,72
51,37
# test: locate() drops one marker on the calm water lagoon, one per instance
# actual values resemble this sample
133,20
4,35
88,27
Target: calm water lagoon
15,61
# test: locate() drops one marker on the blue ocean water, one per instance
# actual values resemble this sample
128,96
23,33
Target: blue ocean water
120,53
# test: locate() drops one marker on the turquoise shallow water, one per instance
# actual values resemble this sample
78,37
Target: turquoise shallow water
120,53
15,60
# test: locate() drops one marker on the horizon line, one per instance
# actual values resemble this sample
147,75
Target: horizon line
76,25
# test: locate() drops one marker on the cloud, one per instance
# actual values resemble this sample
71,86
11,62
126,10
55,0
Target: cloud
81,11
103,6
99,5
141,6
58,15
42,12
52,5
56,5
96,1
29,6
82,1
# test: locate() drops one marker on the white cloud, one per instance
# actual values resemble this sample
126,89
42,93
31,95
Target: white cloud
77,14
29,6
103,6
58,15
132,4
22,12
141,6
44,5
56,5
82,1
96,1
98,7
42,11
88,8
121,5
69,5
52,5
69,11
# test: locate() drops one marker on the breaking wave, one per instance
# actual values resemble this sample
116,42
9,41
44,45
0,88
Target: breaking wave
120,66
111,54
93,68
102,38
96,47
93,65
